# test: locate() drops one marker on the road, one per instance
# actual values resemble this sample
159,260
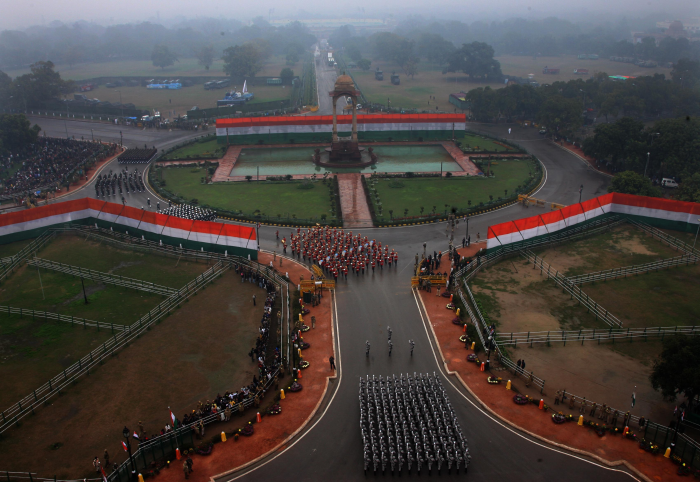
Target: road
330,448
325,82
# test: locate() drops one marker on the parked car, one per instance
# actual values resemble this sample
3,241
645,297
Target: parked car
669,183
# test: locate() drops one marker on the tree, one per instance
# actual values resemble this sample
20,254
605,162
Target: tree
476,60
287,75
73,55
242,61
686,72
353,51
205,56
624,142
162,56
16,132
364,64
689,189
435,48
561,115
43,84
629,182
677,370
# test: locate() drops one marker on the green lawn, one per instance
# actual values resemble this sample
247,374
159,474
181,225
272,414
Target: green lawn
198,150
133,264
35,350
412,194
267,198
664,298
476,143
12,249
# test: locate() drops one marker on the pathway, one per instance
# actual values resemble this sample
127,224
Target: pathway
353,201
226,163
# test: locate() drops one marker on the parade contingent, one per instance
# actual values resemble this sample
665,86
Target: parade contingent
186,211
125,181
409,422
337,252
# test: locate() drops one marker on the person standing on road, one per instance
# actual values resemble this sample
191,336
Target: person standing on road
413,344
391,346
106,457
367,345
331,360
96,463
388,333
254,300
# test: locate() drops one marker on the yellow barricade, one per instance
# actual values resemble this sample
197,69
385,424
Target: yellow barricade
313,285
556,206
435,280
318,272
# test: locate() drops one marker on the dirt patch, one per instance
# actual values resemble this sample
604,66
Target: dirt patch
88,291
192,355
623,245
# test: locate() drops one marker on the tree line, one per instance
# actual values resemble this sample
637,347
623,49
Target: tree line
202,38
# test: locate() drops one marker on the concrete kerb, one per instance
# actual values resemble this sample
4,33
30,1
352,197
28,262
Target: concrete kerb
588,164
608,463
308,419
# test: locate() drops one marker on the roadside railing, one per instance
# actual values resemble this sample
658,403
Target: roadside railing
25,252
49,316
575,336
101,277
615,273
665,238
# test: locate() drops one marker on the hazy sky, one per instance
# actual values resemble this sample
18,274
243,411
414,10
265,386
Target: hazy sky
21,14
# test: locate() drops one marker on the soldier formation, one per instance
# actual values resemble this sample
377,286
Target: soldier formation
337,252
409,421
125,181
186,211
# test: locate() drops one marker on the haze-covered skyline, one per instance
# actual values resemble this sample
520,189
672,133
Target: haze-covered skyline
18,16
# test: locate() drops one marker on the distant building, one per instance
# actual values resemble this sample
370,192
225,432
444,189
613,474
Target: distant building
691,25
674,30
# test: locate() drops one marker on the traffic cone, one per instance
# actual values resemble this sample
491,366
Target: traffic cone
177,454
282,394
508,385
473,344
457,312
451,298
258,418
140,478
223,437
580,420
299,373
624,432
541,403
668,453
483,366
465,328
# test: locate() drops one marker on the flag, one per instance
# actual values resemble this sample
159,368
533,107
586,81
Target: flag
104,476
125,447
136,436
172,417
245,89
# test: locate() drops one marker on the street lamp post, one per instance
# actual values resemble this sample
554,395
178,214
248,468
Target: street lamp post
126,434
580,193
467,233
655,134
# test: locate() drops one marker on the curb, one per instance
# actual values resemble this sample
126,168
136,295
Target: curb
588,164
603,461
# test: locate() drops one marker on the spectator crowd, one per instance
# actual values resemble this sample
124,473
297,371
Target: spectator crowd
49,162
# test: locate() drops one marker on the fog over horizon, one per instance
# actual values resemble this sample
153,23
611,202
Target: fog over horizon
19,16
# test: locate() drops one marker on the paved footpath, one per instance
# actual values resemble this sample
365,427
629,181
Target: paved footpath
353,201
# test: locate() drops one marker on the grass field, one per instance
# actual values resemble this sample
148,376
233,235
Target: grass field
623,245
11,249
412,194
197,150
171,103
476,143
663,298
161,270
187,67
430,81
269,198
197,352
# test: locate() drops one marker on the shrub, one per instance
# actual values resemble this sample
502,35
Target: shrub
396,184
305,184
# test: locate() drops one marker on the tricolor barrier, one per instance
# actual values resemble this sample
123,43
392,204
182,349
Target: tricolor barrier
371,127
210,236
661,213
